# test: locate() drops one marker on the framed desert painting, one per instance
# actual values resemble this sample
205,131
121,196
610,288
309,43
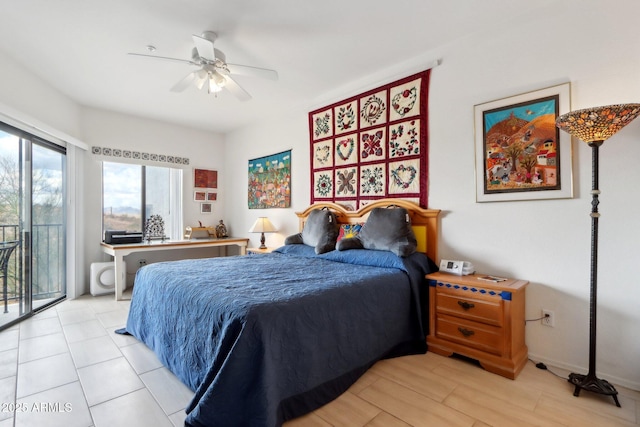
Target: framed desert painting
520,153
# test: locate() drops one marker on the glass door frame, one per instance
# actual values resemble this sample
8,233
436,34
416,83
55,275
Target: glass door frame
62,263
24,274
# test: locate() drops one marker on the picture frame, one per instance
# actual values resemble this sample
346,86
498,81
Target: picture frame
199,196
270,181
204,178
206,208
212,196
520,154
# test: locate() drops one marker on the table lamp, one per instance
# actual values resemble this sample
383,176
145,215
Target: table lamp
594,126
262,225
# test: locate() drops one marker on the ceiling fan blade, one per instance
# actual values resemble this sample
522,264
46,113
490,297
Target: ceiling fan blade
204,47
184,83
163,58
236,90
246,70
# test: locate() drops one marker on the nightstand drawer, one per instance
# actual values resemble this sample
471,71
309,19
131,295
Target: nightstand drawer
472,334
487,310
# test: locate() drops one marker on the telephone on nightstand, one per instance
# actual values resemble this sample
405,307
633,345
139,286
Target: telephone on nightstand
461,268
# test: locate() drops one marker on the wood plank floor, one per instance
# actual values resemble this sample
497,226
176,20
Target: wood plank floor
431,390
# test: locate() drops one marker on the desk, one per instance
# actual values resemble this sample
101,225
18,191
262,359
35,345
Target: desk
118,252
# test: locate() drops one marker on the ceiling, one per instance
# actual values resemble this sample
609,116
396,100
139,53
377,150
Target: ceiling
80,48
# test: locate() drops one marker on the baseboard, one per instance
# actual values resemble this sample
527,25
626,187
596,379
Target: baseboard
633,385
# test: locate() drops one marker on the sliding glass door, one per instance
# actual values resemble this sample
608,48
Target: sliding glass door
32,213
48,248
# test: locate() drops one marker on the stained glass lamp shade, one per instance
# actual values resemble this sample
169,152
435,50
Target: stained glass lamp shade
599,123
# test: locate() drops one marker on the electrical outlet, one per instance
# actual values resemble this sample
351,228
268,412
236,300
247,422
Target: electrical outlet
142,262
548,319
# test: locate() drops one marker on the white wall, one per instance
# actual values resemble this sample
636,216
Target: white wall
107,129
22,91
241,147
546,242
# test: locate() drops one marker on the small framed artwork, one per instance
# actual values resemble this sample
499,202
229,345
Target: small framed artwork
199,196
203,178
211,196
520,153
206,208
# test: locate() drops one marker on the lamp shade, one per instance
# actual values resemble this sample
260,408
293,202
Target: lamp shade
262,225
598,123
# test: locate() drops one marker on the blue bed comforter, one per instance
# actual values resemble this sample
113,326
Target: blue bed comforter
266,338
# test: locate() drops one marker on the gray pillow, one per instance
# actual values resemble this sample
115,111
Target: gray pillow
320,231
385,230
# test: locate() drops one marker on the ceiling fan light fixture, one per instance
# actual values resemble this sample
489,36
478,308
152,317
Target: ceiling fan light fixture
216,82
219,79
213,87
201,77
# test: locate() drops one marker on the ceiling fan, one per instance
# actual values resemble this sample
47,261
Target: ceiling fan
214,72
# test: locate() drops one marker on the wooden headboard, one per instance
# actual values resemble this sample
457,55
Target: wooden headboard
424,221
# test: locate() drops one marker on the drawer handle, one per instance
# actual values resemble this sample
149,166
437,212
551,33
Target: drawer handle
466,332
466,305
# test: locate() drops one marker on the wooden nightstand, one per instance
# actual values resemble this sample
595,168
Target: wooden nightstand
478,319
253,251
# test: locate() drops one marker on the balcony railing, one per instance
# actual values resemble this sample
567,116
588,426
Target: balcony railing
47,265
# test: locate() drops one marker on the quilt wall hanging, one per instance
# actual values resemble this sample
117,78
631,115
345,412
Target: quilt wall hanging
270,181
372,145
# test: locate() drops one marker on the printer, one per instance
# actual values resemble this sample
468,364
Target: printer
115,237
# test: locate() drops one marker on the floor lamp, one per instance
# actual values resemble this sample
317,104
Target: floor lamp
594,126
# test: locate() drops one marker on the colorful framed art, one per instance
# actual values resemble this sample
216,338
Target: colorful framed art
520,153
203,178
270,181
373,145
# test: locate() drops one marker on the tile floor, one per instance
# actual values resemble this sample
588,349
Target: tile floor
67,367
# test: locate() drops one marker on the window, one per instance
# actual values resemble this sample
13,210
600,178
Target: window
121,197
131,193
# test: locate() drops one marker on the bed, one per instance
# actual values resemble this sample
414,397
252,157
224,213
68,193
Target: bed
262,339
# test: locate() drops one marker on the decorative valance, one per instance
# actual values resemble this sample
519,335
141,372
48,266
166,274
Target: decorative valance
373,145
118,154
